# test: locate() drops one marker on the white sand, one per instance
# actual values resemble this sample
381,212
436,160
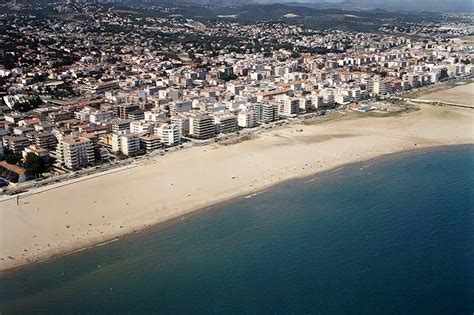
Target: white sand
92,211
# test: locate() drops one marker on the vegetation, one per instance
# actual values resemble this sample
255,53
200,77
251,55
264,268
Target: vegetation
10,157
28,105
64,90
34,165
9,175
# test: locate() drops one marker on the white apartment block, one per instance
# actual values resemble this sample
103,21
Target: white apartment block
98,117
75,152
328,96
257,112
306,103
182,121
246,119
317,100
82,115
342,98
377,87
234,88
169,134
154,116
288,106
141,126
128,144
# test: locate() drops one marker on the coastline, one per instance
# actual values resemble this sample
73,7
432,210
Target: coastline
267,161
173,220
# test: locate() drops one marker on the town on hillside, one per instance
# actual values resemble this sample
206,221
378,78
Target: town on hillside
89,87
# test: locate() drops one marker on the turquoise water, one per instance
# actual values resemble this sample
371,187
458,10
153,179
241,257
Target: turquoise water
388,236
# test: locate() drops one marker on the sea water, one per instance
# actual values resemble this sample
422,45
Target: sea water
394,235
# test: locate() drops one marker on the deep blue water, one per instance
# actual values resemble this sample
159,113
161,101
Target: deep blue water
388,236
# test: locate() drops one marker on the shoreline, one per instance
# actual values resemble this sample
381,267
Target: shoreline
233,189
173,220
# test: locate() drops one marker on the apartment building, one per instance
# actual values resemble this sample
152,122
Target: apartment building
45,140
15,144
201,126
123,110
149,142
317,100
169,134
154,116
377,87
98,117
181,107
121,125
182,121
136,115
257,112
246,119
269,113
306,103
342,98
36,151
128,144
75,152
288,106
225,122
141,126
328,97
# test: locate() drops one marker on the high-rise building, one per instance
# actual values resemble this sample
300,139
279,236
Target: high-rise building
269,112
128,144
288,106
15,144
149,142
45,140
201,126
245,119
225,122
169,134
75,152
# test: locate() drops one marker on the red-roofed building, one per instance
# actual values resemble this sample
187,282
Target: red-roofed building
4,166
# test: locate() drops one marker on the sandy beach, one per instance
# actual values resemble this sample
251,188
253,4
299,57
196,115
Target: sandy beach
92,211
462,95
